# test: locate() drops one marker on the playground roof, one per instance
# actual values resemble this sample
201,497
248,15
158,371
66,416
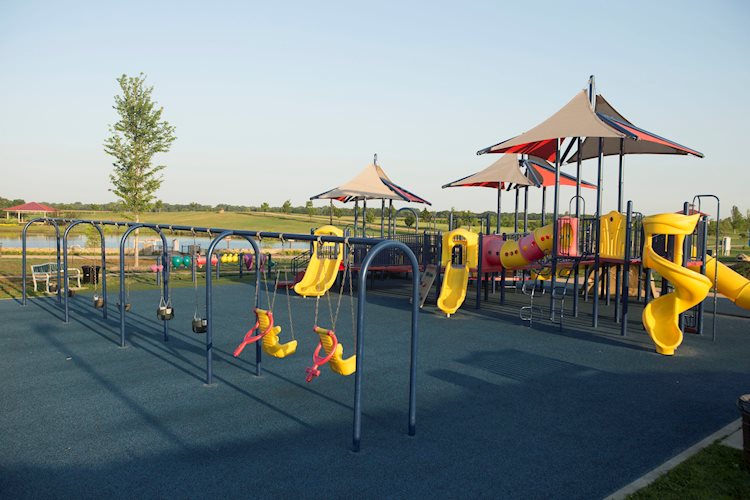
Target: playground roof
370,183
647,142
31,207
543,174
504,171
575,119
578,119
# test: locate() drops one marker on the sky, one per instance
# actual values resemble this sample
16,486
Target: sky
283,100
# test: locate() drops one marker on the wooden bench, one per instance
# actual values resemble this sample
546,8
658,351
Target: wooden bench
48,272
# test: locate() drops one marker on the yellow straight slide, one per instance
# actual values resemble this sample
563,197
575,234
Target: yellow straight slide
729,283
661,316
453,291
324,265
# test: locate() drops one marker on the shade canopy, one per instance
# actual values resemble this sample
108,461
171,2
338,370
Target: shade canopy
31,207
576,119
646,142
543,174
370,184
503,172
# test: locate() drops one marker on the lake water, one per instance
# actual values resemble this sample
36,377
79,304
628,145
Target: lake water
44,241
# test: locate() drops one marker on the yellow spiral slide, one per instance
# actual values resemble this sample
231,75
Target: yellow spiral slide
661,316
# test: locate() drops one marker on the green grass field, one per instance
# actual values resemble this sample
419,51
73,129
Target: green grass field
272,221
716,472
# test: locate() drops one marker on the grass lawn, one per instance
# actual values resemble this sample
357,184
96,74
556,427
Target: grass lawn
276,222
716,472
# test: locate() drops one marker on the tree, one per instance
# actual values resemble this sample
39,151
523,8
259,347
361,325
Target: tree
309,208
337,212
738,221
158,205
369,217
134,140
286,207
409,219
425,215
265,207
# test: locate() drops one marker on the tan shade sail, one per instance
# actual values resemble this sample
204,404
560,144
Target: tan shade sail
646,143
575,119
370,184
504,171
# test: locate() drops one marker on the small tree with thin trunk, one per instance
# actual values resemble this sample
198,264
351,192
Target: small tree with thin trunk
139,134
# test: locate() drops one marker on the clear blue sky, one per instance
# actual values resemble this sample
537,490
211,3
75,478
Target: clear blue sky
283,100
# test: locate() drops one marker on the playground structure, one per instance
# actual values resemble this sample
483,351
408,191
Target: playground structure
621,246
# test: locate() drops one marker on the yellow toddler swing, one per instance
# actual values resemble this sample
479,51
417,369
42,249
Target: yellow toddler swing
328,341
264,329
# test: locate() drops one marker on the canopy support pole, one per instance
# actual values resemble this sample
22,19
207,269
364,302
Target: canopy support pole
356,216
597,236
526,209
364,217
515,220
499,198
382,217
555,232
330,212
544,203
390,219
620,177
578,217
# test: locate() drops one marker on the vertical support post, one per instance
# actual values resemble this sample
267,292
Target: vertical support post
515,218
499,212
526,209
104,272
544,203
364,217
578,216
330,212
620,177
685,257
356,217
412,416
555,230
390,219
626,275
382,217
597,236
60,285
479,273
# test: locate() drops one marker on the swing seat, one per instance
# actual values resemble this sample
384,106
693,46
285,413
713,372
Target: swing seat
337,362
271,344
269,334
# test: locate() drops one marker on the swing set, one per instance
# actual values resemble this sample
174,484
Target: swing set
267,332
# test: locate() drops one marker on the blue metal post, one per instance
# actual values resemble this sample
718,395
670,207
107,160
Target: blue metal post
597,238
65,267
165,263
626,275
209,301
361,296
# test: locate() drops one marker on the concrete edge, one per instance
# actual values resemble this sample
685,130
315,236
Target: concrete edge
652,475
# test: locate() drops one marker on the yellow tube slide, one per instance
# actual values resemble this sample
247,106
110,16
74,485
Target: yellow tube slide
660,316
324,265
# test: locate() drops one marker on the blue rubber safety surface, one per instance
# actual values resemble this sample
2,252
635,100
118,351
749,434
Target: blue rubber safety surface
504,410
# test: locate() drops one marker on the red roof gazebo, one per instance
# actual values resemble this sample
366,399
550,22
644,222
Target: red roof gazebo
31,207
